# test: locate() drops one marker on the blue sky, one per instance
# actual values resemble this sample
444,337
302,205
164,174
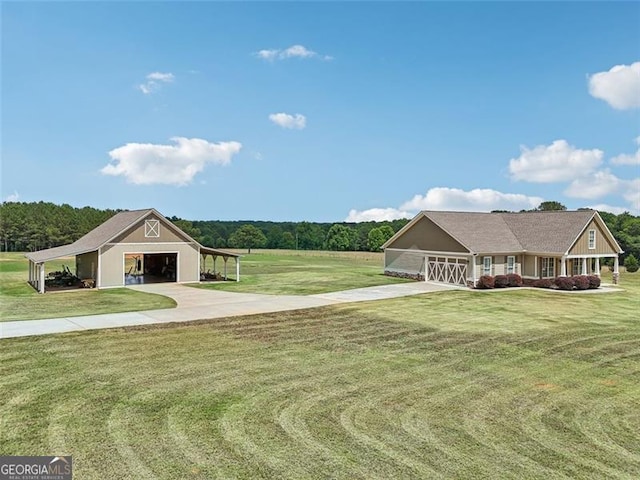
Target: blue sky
321,111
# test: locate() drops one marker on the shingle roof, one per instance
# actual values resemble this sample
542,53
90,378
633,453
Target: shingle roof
543,232
101,235
92,240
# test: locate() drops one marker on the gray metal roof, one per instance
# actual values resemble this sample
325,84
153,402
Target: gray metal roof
543,232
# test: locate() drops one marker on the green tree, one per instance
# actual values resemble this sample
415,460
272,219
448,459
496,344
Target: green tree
310,236
551,205
247,236
378,236
339,237
288,241
631,264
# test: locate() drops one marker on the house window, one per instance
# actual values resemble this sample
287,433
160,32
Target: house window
576,266
511,264
592,239
486,265
152,228
548,267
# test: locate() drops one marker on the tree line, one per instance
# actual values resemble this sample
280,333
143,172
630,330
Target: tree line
37,225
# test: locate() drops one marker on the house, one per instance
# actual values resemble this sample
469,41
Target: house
134,246
459,247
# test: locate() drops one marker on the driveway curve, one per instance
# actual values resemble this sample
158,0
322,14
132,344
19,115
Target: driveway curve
202,304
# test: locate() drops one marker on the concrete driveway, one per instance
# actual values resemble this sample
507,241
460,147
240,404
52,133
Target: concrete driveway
200,304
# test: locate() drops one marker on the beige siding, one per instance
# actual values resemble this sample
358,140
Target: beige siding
426,235
529,269
603,245
136,234
404,261
87,265
112,261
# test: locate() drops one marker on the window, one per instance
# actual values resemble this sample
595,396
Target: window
592,239
576,266
511,264
152,228
548,267
486,265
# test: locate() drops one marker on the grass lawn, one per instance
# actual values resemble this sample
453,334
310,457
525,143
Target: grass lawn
291,272
519,384
19,301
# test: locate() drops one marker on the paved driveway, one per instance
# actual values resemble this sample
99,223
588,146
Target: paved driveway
199,304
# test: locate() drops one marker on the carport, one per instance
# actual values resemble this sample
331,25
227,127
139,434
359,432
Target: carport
211,274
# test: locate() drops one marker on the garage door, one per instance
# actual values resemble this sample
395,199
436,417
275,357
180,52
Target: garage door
447,270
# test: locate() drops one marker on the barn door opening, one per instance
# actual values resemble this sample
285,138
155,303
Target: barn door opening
140,268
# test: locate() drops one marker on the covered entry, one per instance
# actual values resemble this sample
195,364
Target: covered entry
140,268
446,270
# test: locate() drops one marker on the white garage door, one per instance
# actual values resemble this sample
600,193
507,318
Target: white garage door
447,270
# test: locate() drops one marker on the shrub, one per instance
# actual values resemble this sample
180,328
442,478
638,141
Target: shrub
564,283
486,281
501,281
581,282
594,281
515,280
543,283
631,264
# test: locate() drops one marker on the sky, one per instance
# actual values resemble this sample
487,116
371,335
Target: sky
327,111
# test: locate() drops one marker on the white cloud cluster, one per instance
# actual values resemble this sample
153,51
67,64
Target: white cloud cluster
286,120
294,51
155,81
13,197
558,162
619,87
178,164
628,159
595,185
451,199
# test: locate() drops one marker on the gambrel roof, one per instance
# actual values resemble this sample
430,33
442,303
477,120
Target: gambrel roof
552,232
106,232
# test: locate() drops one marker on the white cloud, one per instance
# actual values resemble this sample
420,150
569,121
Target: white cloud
603,207
285,120
294,51
154,82
376,215
628,159
148,164
557,162
476,200
594,185
632,194
619,87
13,197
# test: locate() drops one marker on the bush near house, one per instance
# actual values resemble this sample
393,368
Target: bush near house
594,281
581,282
543,283
501,281
631,264
515,280
486,281
564,283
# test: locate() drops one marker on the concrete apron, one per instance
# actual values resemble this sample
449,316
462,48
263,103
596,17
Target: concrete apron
202,304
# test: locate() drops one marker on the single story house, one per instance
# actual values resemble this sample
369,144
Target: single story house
140,241
459,247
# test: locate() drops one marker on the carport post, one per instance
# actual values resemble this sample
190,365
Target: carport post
41,285
237,269
473,269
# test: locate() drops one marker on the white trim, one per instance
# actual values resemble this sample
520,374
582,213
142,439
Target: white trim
151,243
514,266
484,264
593,255
432,253
99,275
152,228
589,239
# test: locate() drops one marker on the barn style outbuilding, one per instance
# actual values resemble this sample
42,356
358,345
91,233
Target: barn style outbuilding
136,246
459,247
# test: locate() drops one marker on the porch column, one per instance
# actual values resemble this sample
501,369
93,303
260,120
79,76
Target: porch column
597,272
584,266
616,270
41,285
535,266
237,269
563,267
225,267
214,263
473,270
30,271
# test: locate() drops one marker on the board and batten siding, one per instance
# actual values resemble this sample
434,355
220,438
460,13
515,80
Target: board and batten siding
603,244
426,235
112,261
136,234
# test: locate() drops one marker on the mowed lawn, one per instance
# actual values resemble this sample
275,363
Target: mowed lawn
517,384
19,301
291,272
